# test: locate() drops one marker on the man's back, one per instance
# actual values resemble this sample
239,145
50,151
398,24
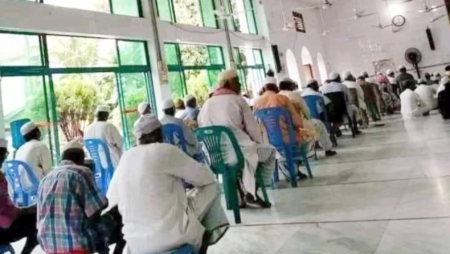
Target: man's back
109,134
37,155
151,197
409,103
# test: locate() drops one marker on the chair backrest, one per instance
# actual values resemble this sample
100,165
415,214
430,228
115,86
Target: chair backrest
17,138
271,118
339,106
212,138
104,169
22,197
173,134
315,104
6,249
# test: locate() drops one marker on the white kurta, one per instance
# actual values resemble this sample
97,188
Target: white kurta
234,113
37,155
427,95
110,135
157,214
412,105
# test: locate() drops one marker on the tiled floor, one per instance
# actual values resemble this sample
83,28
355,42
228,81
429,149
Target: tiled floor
387,191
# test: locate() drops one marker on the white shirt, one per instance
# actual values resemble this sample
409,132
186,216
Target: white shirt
37,155
110,135
309,91
152,200
335,87
191,140
427,95
412,105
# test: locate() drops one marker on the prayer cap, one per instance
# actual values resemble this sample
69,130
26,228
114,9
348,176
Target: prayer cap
227,75
142,107
312,81
389,72
146,125
347,74
334,75
270,80
102,108
188,98
364,73
27,128
74,144
287,79
168,104
3,143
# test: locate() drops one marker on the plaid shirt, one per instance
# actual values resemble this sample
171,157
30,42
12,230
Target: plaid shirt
67,198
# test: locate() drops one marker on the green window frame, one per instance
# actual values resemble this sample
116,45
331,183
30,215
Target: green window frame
130,72
250,68
131,8
179,69
166,11
245,14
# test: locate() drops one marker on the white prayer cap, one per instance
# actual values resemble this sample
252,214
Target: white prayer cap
389,72
188,98
287,79
347,74
311,82
213,89
401,67
3,143
74,144
334,75
364,73
168,104
270,80
102,108
142,107
27,128
227,75
146,125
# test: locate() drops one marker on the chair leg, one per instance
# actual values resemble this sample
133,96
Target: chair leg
261,184
232,193
226,190
305,158
292,172
276,174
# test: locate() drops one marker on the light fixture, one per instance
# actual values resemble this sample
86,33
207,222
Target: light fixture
396,9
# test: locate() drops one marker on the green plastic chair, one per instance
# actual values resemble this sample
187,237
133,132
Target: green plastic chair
211,138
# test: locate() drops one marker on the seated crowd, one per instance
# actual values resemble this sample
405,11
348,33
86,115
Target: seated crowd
161,198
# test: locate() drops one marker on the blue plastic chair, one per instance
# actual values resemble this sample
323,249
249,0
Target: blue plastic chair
271,118
22,197
173,134
17,138
103,173
315,104
185,249
6,249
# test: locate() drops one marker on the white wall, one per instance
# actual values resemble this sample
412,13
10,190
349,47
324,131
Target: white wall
354,45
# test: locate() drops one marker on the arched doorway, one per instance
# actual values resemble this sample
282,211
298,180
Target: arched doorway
322,67
307,64
292,67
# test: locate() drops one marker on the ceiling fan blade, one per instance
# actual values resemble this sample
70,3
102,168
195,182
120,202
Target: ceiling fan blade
307,8
437,18
435,7
367,15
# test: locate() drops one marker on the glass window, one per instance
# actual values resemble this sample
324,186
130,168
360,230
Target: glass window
164,8
251,70
189,12
20,50
65,51
125,7
244,19
132,53
194,55
91,5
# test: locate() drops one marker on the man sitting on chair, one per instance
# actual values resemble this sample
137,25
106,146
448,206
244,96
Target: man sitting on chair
158,214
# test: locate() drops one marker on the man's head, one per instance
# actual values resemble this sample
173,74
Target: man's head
102,113
30,132
144,108
190,101
427,76
335,77
313,84
3,150
390,73
402,69
437,76
179,104
421,82
365,74
409,84
361,80
147,130
447,71
348,76
73,151
270,84
229,79
168,107
287,84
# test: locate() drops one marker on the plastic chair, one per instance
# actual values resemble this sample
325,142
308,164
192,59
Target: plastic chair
185,249
103,173
173,134
271,118
22,197
17,138
340,110
212,138
315,104
6,249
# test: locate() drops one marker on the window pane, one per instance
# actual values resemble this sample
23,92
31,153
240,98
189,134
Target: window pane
258,57
164,10
209,18
197,84
251,22
125,7
187,12
213,76
170,51
215,55
194,55
132,53
176,83
19,50
67,51
91,5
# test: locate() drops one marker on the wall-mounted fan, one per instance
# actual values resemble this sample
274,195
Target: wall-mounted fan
413,56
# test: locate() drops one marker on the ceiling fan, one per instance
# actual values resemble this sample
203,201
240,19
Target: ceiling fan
325,5
437,18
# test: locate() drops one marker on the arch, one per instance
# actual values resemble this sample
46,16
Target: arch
322,67
292,67
307,64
